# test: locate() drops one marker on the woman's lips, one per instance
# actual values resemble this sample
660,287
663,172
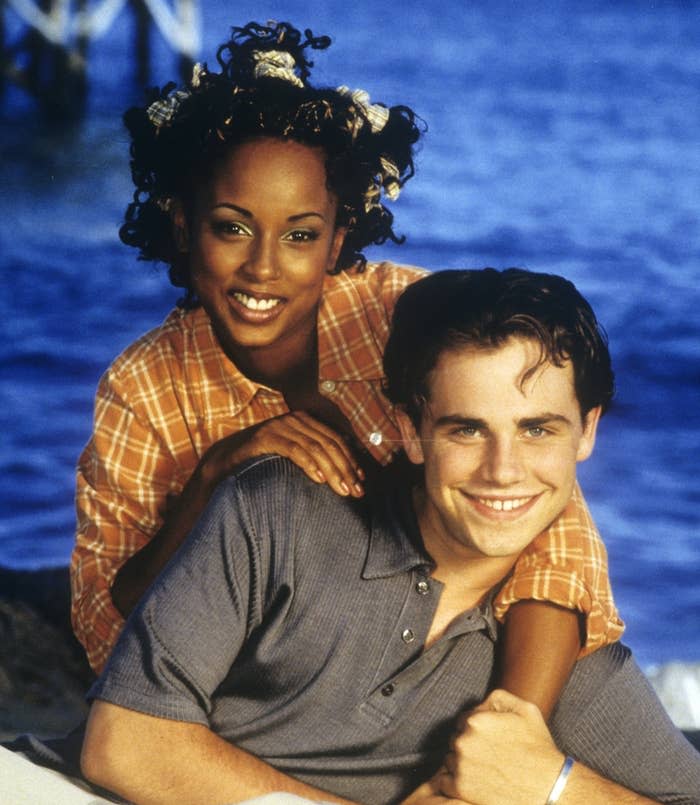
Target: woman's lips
256,309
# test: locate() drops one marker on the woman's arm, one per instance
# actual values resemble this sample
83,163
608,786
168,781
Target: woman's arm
129,469
557,606
540,645
310,444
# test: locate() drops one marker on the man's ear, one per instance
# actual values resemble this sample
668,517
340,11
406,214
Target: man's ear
590,428
180,227
411,441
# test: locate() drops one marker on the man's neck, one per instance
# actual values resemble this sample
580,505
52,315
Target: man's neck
459,566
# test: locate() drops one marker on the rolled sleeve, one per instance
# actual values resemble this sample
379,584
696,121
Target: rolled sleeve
567,565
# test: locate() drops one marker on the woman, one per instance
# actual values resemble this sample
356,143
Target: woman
260,191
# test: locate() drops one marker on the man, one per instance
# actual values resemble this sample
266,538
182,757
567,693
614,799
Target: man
327,647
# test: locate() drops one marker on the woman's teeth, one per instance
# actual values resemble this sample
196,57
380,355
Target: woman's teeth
255,304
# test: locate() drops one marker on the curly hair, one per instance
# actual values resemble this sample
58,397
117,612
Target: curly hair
263,90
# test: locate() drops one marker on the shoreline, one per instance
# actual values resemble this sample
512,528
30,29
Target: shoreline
44,674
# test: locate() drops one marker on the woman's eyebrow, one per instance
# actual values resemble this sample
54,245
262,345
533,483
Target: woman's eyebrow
229,206
300,215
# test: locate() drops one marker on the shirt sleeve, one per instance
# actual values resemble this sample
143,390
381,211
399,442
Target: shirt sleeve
123,479
181,641
568,565
610,719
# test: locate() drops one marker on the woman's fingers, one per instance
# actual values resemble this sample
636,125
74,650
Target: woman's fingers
314,447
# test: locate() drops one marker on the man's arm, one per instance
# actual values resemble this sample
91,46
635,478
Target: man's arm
507,740
152,760
156,761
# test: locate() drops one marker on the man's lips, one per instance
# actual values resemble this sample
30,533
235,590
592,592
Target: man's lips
503,507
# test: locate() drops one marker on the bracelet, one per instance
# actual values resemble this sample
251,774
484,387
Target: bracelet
560,782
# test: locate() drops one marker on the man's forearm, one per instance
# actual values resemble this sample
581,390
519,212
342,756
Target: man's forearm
152,760
585,787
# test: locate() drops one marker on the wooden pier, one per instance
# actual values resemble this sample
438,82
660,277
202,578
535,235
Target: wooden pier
49,57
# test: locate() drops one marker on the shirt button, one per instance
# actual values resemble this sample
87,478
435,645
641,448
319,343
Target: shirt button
328,385
387,690
422,588
375,438
407,636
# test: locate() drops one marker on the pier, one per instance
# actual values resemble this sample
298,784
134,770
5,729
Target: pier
49,56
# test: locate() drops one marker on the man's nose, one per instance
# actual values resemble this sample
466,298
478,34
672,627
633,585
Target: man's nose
503,463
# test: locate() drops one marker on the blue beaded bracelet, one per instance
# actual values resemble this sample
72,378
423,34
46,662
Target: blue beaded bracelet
560,782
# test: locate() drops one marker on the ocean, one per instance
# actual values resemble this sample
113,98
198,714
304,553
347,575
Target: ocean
562,137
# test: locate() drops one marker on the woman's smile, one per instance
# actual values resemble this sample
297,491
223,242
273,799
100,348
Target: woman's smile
262,237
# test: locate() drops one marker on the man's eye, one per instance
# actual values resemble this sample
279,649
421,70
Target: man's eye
469,432
536,432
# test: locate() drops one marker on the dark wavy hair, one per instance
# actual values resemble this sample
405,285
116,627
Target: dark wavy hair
178,136
484,308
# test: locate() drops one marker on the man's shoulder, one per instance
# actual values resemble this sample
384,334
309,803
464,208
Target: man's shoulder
275,486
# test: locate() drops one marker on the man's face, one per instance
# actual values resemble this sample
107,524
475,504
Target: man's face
499,448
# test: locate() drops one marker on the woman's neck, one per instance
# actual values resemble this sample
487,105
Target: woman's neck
288,368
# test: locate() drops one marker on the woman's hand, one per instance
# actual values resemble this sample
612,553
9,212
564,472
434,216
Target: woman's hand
312,446
503,752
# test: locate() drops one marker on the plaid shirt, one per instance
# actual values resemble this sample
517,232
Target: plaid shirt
173,393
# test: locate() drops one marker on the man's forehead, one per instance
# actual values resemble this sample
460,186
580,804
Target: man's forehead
487,371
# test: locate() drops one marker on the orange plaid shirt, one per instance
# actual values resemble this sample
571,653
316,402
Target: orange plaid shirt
173,393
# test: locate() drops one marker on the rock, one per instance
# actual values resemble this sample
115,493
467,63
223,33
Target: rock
43,671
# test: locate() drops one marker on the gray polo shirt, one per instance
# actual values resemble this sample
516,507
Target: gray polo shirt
292,622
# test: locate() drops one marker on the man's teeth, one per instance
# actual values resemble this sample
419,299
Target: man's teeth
256,304
504,505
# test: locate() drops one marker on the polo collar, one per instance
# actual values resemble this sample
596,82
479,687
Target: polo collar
395,543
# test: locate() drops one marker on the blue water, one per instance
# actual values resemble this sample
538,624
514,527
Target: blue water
562,137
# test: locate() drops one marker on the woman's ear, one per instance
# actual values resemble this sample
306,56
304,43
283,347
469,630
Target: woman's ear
336,246
409,436
180,227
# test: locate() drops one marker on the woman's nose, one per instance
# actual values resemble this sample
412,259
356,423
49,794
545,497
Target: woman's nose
261,263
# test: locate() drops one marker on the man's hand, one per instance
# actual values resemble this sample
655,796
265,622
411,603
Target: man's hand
298,436
502,753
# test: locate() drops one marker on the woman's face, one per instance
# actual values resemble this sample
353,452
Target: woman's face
261,237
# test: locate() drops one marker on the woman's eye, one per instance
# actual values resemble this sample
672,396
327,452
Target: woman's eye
230,228
302,235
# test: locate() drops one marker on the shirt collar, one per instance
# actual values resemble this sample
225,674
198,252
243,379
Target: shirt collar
395,544
347,348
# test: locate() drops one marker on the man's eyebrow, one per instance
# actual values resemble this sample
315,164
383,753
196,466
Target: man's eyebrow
543,419
461,421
